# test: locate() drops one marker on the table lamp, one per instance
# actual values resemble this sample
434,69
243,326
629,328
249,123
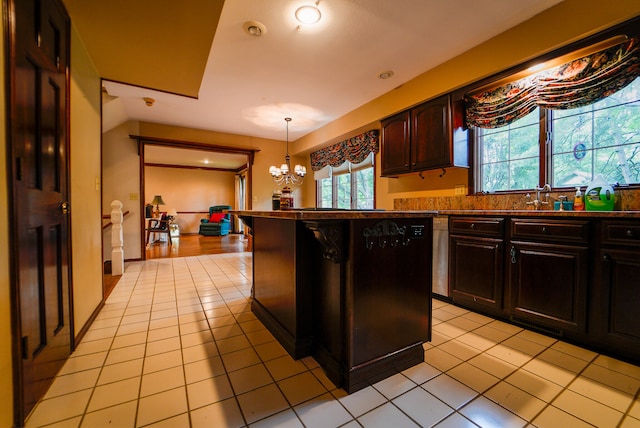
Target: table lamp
157,200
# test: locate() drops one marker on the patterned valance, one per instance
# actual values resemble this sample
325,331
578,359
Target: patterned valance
354,150
574,84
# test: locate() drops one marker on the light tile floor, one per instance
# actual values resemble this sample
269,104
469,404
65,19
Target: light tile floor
176,345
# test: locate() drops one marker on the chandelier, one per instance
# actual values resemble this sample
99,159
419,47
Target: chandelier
284,174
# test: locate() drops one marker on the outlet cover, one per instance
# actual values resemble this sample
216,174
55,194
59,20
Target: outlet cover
460,189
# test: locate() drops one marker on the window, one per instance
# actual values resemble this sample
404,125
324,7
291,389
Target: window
347,190
344,172
509,156
600,138
575,119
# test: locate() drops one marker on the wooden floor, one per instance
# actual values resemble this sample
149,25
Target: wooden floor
185,246
195,245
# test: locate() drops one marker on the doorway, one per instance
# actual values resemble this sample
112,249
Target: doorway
191,177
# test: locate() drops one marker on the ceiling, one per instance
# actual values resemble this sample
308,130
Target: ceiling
233,82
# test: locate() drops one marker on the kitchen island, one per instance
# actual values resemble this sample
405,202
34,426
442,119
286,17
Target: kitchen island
350,288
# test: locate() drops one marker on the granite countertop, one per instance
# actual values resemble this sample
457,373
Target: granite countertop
323,214
544,213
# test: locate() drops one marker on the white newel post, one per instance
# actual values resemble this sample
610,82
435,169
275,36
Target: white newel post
117,254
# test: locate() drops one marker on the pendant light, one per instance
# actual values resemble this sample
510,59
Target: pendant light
284,174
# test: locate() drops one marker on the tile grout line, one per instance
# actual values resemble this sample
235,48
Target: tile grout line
482,394
215,342
144,356
565,388
93,389
274,381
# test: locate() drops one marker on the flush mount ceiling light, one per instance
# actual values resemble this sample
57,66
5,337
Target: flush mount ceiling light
308,15
254,28
148,101
385,75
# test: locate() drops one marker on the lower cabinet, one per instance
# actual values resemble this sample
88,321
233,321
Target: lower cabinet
548,274
619,288
476,257
575,278
548,285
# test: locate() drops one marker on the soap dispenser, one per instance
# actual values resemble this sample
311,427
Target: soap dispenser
578,202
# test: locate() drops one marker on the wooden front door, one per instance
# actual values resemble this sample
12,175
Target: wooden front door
38,163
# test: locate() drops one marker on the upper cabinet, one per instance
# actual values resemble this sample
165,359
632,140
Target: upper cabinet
396,144
431,134
428,136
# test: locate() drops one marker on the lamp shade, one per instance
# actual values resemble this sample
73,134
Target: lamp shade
157,200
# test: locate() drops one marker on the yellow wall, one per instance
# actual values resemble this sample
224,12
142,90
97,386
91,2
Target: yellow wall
567,22
120,154
6,371
86,218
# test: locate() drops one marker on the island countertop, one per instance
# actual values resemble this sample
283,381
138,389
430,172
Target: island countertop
325,214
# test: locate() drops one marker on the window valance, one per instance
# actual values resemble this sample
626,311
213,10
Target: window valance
354,150
574,84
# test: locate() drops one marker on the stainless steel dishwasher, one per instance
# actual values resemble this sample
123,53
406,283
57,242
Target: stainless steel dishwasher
440,279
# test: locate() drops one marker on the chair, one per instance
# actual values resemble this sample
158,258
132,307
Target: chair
159,225
218,223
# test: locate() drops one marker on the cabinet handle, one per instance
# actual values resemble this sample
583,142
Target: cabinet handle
473,225
544,229
605,258
514,253
630,233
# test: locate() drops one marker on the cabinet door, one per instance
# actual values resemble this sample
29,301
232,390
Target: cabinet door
548,286
430,134
476,272
620,300
396,147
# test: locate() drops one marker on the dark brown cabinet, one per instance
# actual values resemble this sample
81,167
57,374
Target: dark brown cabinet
572,277
422,138
548,274
396,146
476,259
619,286
431,134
